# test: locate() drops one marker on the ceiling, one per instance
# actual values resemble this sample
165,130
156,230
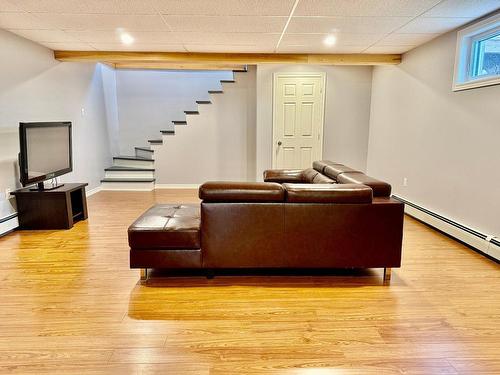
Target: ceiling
248,26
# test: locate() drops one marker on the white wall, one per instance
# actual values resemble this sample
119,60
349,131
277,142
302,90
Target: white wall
35,87
445,143
347,113
217,144
148,101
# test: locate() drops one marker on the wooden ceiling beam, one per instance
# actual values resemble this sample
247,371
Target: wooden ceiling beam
137,58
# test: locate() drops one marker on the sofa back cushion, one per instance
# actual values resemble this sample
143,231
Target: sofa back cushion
322,179
284,175
380,188
333,171
328,193
222,191
308,175
320,165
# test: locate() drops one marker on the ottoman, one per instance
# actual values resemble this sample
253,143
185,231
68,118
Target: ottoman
166,235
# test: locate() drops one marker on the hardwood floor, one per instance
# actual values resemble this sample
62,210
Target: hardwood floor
70,304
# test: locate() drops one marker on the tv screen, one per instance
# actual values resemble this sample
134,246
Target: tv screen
45,151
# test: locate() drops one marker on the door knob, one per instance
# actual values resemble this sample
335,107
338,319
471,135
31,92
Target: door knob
279,143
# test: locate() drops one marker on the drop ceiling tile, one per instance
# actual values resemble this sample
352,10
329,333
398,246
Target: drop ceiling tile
319,49
9,6
198,38
397,39
52,36
463,8
227,24
388,49
155,47
22,20
432,25
363,25
386,8
225,7
68,46
103,22
342,39
113,36
88,6
223,48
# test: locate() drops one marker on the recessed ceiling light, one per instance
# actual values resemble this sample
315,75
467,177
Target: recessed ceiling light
330,40
126,38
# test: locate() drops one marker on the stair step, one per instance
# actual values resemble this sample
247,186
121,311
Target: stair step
144,149
129,169
215,91
227,81
167,132
191,112
124,157
180,122
156,141
128,180
203,102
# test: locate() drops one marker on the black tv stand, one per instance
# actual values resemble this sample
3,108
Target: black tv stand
57,208
42,187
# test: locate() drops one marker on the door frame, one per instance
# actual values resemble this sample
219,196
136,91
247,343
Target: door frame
274,103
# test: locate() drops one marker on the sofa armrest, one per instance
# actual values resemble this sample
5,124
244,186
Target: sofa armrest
284,175
221,191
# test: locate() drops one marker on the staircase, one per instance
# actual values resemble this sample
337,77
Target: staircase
137,172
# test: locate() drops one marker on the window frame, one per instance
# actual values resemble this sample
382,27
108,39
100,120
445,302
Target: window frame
464,56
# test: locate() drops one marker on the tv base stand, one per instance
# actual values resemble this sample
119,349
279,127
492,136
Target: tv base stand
57,208
42,187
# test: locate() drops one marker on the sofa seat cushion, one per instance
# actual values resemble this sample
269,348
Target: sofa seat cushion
328,193
333,171
221,191
380,188
167,226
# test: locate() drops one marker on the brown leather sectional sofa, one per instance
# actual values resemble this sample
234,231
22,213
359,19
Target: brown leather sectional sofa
328,216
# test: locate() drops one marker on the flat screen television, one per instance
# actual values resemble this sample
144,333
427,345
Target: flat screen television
45,152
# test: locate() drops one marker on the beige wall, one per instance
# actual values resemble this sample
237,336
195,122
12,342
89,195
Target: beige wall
445,143
35,87
347,112
217,144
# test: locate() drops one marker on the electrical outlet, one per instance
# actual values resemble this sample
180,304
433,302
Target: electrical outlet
7,193
405,181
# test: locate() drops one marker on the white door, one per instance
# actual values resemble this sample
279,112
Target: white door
298,112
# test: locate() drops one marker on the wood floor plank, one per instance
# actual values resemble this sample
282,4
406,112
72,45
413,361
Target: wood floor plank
69,304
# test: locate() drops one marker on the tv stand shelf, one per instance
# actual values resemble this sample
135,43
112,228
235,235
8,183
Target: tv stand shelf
51,209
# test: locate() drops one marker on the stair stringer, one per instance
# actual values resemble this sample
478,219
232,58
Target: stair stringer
215,144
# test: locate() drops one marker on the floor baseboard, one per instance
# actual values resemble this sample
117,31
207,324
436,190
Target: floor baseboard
90,192
483,243
177,186
8,224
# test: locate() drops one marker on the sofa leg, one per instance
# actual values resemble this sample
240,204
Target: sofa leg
387,275
144,274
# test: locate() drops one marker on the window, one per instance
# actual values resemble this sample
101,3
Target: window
478,55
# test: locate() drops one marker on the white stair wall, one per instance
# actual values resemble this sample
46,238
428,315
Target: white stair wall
217,144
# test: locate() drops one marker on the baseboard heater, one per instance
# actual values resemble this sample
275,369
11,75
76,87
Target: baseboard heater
8,223
483,243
